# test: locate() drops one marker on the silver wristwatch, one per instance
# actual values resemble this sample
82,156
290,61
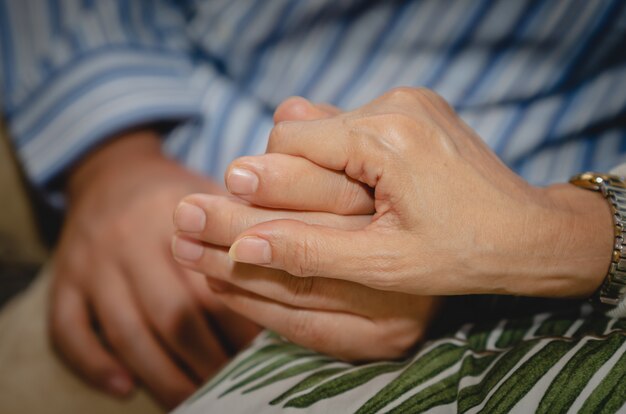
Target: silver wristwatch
613,188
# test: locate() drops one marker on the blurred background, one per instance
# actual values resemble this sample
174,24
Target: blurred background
22,220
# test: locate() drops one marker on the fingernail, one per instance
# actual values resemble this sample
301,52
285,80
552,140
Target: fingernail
242,182
185,249
189,217
120,384
251,250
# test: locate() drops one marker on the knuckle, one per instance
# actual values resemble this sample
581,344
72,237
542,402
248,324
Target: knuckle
300,288
357,129
405,132
433,99
305,254
350,201
392,133
425,94
404,94
429,96
420,97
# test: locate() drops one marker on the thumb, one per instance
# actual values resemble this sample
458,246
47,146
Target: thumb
304,250
297,108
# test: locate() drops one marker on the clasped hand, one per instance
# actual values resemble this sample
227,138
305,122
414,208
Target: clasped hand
337,317
413,202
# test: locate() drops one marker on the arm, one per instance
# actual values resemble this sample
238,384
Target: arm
331,316
450,217
153,321
81,85
77,74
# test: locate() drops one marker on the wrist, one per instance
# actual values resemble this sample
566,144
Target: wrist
560,245
574,243
115,157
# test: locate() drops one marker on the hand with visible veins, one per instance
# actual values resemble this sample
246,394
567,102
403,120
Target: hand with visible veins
450,218
122,310
332,316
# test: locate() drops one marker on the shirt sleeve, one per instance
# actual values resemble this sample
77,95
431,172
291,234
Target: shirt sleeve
74,72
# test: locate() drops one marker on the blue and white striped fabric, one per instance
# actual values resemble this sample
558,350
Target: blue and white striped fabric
543,82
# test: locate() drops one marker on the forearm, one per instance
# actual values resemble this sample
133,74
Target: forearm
60,111
116,156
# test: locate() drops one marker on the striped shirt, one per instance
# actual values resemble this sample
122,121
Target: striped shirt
542,82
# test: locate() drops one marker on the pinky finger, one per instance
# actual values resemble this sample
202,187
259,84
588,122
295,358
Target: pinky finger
75,339
333,333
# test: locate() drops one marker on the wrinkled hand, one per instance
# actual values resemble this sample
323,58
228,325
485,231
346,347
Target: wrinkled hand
121,308
336,317
450,217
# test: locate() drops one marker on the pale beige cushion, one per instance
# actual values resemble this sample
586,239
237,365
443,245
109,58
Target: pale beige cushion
18,236
33,379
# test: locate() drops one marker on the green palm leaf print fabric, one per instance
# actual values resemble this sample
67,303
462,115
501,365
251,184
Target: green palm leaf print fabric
546,363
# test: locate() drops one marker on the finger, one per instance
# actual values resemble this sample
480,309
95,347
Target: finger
219,220
371,140
173,313
362,147
323,141
234,330
312,292
303,249
297,108
130,336
295,183
332,333
74,337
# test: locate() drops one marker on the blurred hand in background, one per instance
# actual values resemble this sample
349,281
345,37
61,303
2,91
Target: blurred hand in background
122,310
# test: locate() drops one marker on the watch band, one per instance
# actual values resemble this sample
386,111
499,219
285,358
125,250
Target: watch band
613,188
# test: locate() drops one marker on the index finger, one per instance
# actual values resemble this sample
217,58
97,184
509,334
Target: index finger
294,183
323,141
342,143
